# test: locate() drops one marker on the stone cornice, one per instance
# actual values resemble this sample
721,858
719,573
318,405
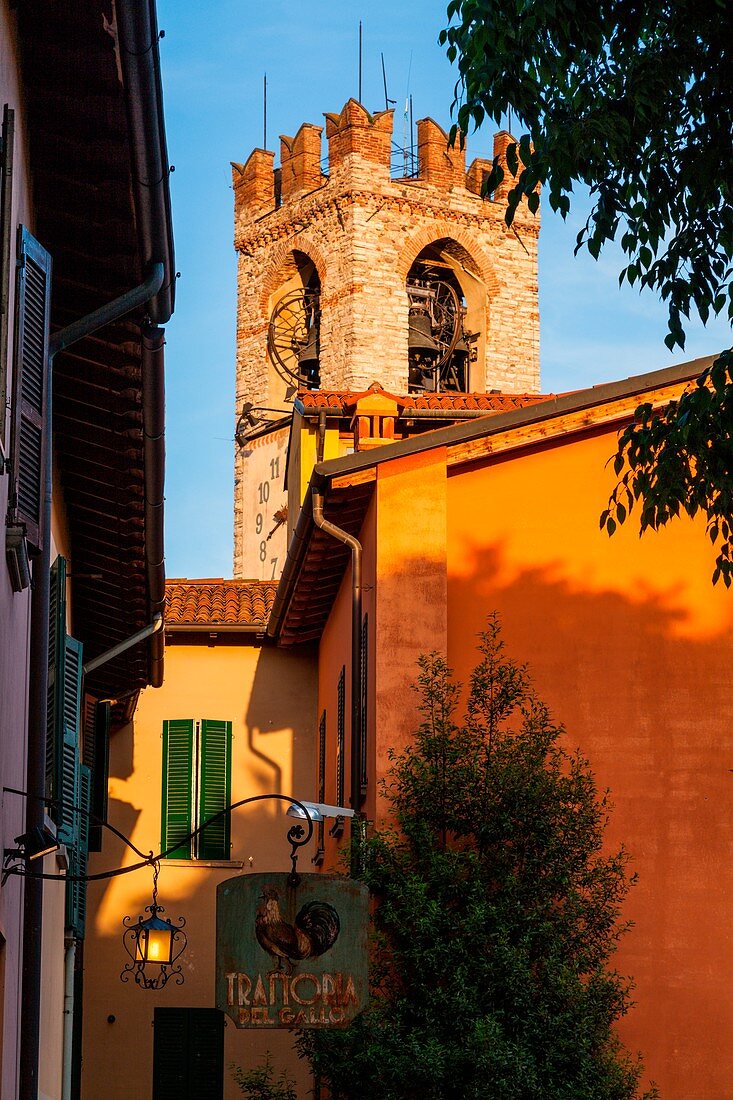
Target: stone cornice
293,218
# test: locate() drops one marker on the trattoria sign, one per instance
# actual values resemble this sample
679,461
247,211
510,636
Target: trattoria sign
291,956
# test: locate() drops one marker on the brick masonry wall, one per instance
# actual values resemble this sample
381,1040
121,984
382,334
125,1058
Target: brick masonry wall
363,230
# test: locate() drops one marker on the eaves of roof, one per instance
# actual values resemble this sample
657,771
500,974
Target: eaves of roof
94,116
315,563
217,605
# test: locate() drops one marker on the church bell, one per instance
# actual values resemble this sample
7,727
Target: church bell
308,356
420,339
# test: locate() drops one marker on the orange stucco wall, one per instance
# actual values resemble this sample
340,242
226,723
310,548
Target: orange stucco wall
411,605
269,696
404,597
632,649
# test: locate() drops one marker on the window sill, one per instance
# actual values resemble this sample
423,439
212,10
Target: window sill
237,864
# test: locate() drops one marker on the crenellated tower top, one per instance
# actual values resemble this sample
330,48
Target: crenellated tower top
359,261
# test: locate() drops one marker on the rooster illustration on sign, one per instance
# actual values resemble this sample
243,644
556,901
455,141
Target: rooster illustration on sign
314,931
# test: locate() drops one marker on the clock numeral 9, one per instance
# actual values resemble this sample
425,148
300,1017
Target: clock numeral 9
258,523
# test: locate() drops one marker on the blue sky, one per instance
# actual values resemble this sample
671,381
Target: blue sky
213,60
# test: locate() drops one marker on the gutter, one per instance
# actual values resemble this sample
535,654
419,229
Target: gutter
153,386
213,628
139,59
356,661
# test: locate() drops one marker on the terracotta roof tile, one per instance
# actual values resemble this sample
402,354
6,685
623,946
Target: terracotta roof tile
450,402
217,602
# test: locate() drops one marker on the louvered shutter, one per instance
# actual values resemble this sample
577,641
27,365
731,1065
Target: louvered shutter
206,1054
188,1054
32,300
76,892
6,217
69,757
214,788
177,799
170,1050
56,636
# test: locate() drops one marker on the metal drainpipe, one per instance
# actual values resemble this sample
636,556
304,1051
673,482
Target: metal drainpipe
69,963
321,435
30,1016
356,730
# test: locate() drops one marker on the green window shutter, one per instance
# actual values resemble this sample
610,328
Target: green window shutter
7,142
69,755
56,636
177,799
214,788
76,892
32,309
188,1054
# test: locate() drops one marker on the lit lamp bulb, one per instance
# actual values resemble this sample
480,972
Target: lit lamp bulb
155,941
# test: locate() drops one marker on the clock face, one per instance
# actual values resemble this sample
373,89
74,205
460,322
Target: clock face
264,538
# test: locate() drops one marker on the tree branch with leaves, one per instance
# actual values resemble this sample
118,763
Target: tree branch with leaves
631,98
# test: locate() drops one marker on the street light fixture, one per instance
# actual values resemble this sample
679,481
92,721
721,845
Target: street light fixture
317,811
153,941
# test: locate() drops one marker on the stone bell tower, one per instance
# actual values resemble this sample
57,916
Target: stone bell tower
350,272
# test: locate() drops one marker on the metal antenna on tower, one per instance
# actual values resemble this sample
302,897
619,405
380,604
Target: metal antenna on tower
387,100
412,141
360,48
264,112
406,116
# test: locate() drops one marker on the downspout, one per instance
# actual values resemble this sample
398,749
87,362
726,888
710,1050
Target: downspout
69,963
30,1018
139,59
153,343
321,436
356,730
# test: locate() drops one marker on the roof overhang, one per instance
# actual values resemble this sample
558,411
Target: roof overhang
91,74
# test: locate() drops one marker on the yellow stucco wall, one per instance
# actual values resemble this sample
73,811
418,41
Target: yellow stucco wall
269,696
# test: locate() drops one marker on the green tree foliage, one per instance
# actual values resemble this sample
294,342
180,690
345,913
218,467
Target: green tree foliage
497,912
632,99
260,1082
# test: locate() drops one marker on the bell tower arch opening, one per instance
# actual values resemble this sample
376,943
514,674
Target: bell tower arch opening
448,315
293,332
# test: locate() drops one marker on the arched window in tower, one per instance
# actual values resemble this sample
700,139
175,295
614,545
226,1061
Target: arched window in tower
293,335
441,345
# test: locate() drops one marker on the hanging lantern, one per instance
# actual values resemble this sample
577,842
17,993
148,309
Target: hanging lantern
153,944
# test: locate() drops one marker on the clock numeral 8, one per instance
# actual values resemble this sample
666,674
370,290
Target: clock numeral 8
263,550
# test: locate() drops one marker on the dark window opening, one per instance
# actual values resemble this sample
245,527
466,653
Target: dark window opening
438,345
